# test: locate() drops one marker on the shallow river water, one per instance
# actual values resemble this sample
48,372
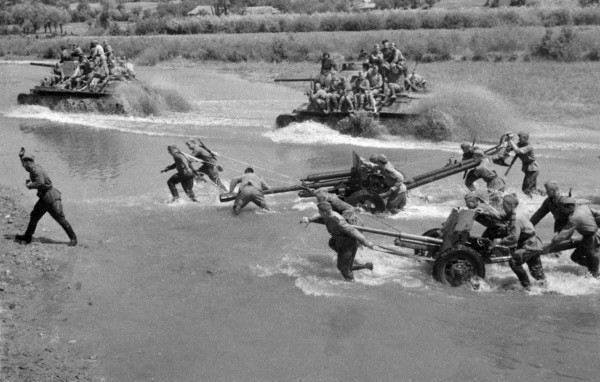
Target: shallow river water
188,292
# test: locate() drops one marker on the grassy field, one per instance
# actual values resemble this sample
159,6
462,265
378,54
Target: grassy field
515,43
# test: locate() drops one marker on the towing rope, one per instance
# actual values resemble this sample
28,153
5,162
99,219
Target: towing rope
384,223
261,168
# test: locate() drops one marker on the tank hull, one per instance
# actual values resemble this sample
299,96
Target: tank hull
74,101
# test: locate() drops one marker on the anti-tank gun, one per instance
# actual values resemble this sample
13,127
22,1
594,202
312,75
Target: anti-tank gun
458,257
365,187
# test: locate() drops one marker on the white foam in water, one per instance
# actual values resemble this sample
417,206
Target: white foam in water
314,133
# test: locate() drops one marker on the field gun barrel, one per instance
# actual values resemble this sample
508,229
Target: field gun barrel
41,64
294,79
562,246
327,176
229,196
445,172
403,236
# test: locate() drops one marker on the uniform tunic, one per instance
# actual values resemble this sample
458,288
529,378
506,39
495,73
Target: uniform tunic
250,190
50,200
344,240
208,167
185,176
521,235
585,220
484,171
551,205
529,167
395,181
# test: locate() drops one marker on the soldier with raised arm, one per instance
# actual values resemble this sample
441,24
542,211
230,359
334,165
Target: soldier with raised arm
551,205
344,240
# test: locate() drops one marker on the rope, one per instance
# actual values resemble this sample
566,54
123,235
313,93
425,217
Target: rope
261,168
384,223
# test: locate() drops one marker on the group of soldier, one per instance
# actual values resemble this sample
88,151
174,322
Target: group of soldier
382,78
92,72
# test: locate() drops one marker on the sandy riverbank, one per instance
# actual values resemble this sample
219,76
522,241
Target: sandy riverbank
34,280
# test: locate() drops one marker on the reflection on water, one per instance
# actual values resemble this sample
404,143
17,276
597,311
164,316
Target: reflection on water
88,153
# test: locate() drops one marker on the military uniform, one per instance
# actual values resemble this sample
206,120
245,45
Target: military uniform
551,205
484,171
250,190
327,67
185,175
50,201
209,166
530,168
347,211
496,226
395,181
585,220
528,248
345,240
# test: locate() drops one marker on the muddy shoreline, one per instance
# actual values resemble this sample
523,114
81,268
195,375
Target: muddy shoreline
35,280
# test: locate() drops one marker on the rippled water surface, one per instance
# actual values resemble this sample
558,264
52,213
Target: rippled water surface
188,292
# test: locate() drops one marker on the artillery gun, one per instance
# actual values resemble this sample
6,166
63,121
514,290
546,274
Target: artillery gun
364,187
457,256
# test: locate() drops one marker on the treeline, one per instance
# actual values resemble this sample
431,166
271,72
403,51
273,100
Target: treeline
498,44
376,20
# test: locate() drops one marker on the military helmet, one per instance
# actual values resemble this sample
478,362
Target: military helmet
27,157
464,145
382,159
471,196
523,135
566,201
511,199
551,185
324,207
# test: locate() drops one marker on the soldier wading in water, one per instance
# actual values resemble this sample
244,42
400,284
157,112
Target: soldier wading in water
50,200
345,239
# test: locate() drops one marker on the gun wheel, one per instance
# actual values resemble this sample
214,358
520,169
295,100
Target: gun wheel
458,266
367,200
435,233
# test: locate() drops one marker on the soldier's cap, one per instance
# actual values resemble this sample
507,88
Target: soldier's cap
551,185
511,199
172,148
189,141
471,196
478,152
248,170
523,135
321,191
373,158
566,201
324,207
465,145
382,159
28,157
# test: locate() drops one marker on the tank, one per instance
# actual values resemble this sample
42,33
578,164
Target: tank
397,111
57,98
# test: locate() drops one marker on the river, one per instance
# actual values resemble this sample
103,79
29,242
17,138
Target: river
189,292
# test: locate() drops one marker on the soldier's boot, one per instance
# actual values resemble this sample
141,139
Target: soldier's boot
348,275
69,230
23,238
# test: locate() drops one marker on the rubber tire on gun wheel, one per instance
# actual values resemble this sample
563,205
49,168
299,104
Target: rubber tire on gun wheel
434,233
458,266
369,200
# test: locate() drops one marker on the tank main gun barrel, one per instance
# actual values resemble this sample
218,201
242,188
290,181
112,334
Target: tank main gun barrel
41,64
294,79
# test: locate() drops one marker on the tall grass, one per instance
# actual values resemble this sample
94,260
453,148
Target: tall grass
428,45
475,17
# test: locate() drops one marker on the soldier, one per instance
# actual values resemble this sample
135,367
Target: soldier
185,174
393,85
346,102
527,246
333,91
524,151
376,56
250,190
49,200
76,51
108,51
495,184
100,72
209,165
487,216
327,67
393,179
551,205
346,210
344,239
399,61
320,99
467,150
585,220
56,74
360,88
64,54
375,85
81,74
96,50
